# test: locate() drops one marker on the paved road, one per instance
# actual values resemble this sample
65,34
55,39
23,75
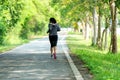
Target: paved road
32,61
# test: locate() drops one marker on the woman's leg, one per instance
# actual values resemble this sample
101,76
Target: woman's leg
51,49
51,43
55,46
54,52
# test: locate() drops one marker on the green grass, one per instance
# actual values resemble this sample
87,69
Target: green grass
103,65
4,48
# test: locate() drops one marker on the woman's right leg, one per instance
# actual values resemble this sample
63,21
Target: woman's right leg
51,43
54,48
54,52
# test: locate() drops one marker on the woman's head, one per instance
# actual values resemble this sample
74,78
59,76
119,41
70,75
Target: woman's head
52,20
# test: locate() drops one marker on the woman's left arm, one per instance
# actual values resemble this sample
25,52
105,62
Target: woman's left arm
58,28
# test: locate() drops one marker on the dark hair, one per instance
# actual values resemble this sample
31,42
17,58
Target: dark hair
52,20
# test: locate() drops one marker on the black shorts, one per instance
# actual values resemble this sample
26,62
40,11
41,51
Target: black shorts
53,40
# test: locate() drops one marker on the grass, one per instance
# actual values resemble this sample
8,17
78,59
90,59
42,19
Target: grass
103,66
7,47
4,48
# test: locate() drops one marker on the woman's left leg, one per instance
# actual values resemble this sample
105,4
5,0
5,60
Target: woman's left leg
55,45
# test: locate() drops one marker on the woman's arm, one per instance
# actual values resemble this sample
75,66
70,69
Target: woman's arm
48,28
58,28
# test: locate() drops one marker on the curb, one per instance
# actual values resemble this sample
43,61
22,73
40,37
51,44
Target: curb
76,73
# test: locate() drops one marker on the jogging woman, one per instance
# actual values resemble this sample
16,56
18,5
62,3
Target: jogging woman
53,27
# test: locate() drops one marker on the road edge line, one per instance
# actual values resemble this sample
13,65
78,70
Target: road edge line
76,73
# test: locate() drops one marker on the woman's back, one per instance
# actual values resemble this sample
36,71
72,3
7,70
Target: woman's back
53,28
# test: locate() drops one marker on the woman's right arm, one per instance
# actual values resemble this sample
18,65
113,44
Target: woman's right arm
48,28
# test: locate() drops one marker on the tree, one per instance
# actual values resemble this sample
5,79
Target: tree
113,44
99,24
17,16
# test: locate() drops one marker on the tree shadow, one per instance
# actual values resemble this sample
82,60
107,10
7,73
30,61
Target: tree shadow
34,66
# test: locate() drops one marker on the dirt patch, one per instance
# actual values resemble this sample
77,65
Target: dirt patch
81,67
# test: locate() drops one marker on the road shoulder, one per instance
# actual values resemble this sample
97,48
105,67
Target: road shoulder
85,72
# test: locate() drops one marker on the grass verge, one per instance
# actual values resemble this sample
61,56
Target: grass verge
102,65
8,47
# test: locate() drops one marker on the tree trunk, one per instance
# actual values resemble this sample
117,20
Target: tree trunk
94,29
86,29
105,43
106,27
99,29
83,28
113,28
102,39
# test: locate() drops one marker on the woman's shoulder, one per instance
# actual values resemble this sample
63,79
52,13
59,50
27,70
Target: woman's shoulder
53,24
56,24
50,24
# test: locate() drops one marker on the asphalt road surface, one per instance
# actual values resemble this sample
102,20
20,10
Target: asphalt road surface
32,61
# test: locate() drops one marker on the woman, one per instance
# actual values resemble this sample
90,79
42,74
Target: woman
53,27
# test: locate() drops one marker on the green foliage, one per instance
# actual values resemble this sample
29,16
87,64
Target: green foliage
103,66
117,2
10,16
21,19
4,48
2,32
